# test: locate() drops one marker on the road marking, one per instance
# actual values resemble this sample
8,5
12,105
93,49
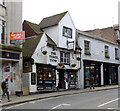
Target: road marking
60,105
32,102
108,102
15,106
113,109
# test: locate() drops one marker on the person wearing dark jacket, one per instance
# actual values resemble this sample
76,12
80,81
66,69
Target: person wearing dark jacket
91,81
4,87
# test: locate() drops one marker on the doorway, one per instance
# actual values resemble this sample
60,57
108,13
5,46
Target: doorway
61,79
106,74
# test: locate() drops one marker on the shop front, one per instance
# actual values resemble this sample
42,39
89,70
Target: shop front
67,79
10,69
46,77
92,68
110,74
72,81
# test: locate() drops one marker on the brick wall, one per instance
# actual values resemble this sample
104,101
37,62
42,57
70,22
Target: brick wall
28,30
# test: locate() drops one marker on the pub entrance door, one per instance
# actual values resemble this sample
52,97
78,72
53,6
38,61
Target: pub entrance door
61,84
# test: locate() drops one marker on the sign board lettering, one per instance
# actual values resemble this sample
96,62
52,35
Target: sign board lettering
40,88
72,86
53,57
17,37
48,82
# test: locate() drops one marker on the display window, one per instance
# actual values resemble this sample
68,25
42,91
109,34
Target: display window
113,75
72,80
45,74
72,77
92,69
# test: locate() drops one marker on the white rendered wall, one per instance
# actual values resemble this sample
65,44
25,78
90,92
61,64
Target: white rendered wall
97,49
67,22
53,33
33,88
37,55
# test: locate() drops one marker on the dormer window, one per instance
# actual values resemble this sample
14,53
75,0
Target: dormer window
67,32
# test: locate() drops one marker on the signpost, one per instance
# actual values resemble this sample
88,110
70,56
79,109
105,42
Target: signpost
17,37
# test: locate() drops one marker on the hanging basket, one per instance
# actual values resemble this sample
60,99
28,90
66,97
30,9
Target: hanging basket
73,65
60,64
78,58
44,52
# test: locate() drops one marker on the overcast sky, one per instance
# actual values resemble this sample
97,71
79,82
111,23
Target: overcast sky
86,14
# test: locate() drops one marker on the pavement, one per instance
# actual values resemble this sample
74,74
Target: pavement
23,99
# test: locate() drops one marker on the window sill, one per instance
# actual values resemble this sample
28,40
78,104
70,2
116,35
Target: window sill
107,57
87,54
68,36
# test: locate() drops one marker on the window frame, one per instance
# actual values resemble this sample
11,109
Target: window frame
116,52
66,28
106,50
65,58
88,45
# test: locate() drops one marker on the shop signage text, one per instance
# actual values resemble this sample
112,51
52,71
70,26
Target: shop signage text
53,57
17,37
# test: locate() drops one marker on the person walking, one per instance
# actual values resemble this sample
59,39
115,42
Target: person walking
4,87
91,81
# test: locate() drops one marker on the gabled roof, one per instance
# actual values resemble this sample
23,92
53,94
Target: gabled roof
95,37
52,20
106,33
30,45
34,26
50,41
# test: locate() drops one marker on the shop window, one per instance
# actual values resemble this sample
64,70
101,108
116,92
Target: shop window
65,57
72,77
45,74
67,32
92,69
72,80
33,78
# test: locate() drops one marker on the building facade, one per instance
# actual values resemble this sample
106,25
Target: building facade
100,58
59,67
10,55
57,56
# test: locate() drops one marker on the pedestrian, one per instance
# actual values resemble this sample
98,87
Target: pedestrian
91,81
4,87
